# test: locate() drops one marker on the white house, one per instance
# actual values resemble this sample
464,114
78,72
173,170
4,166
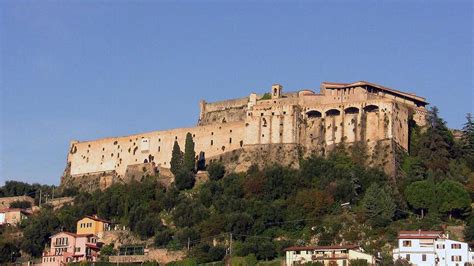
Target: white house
329,255
431,248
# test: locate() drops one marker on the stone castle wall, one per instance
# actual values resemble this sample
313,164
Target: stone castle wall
252,129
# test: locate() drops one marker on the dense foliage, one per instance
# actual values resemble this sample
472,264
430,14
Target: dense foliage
328,200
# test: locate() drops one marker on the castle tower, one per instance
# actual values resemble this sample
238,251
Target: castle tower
276,91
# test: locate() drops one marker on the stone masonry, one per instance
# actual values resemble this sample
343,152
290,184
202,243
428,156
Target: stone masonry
275,127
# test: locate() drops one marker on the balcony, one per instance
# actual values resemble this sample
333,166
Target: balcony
330,257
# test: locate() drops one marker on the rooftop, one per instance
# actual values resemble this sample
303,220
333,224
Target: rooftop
336,85
335,247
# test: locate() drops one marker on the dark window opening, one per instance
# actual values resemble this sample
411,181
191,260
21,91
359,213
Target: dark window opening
333,112
351,110
313,114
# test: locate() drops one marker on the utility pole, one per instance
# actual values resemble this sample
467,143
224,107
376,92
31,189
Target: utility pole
52,197
40,199
188,243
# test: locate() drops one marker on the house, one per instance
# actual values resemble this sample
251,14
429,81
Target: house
431,248
13,216
68,247
329,255
93,225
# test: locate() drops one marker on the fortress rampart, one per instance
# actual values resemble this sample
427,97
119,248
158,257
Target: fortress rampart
258,124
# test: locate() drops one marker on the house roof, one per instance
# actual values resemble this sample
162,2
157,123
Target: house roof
72,234
419,234
335,247
15,210
335,85
95,218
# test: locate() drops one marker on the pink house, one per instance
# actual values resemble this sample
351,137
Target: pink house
69,247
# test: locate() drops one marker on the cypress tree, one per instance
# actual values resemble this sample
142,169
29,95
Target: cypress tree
436,144
176,163
189,153
467,141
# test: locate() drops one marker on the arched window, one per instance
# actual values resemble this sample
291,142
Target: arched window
333,112
351,110
371,108
313,114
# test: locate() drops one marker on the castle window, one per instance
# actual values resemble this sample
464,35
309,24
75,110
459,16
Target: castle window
212,133
159,140
212,142
313,114
230,140
284,112
261,114
371,108
333,112
273,113
241,143
230,131
159,148
351,110
264,122
176,137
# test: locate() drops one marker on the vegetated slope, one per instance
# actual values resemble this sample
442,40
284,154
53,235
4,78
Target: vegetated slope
266,210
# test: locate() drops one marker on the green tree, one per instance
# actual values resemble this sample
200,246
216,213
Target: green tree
184,180
452,198
189,160
176,163
20,204
467,141
436,144
216,170
421,195
163,237
8,252
37,232
379,206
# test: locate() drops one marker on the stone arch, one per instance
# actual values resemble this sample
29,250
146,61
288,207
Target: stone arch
333,112
351,110
313,114
371,108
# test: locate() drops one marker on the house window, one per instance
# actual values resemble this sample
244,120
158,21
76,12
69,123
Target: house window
455,258
406,243
77,249
423,257
440,246
456,246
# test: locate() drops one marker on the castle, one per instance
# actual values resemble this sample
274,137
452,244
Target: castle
274,127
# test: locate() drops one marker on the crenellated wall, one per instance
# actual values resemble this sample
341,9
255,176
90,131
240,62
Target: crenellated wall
356,112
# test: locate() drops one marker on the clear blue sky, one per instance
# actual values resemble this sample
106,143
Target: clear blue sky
90,69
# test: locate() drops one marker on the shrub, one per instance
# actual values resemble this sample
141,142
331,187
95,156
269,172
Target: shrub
216,170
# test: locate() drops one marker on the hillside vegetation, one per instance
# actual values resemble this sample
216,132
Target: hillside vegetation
266,210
